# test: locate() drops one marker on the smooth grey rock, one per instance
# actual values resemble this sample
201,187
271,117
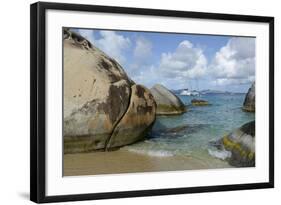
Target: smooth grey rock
241,144
138,119
97,95
249,102
167,102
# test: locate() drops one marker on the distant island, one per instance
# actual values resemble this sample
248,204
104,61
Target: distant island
189,92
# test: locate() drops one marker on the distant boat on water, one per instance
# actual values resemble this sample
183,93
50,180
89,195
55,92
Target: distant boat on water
185,92
189,93
195,93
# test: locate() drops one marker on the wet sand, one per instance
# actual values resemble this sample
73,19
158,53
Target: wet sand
122,161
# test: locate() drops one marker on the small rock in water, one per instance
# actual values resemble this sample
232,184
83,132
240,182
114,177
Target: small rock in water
199,102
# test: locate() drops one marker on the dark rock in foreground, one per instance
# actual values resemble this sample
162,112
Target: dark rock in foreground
249,102
103,107
167,102
241,144
138,119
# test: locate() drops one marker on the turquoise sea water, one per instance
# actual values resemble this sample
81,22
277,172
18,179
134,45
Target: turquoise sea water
190,133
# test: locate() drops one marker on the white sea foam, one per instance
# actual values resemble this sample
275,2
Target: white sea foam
220,154
153,153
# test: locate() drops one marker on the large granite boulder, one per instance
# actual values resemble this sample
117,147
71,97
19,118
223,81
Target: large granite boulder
167,102
249,102
138,119
241,144
97,95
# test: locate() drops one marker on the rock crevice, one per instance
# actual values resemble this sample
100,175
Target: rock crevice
137,120
101,103
106,146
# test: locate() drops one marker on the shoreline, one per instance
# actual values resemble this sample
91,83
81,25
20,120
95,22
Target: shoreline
123,161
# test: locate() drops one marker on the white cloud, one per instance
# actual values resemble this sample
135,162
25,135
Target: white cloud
141,57
146,77
232,64
186,61
231,81
143,49
109,42
114,45
175,69
235,62
151,76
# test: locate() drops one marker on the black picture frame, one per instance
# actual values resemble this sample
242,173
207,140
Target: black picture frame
38,101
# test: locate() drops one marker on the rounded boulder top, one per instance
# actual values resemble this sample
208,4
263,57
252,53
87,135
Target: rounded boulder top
167,102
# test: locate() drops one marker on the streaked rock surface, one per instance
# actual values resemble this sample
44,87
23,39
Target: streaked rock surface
97,95
167,102
249,102
241,144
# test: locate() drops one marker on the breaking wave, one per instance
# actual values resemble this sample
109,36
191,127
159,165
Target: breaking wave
220,154
153,153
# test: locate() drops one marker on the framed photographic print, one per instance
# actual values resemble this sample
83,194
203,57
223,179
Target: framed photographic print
129,102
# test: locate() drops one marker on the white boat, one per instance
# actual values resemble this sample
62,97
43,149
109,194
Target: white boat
194,93
185,92
190,93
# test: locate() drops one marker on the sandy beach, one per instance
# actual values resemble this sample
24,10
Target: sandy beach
122,161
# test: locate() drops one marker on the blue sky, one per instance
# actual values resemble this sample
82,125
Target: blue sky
180,60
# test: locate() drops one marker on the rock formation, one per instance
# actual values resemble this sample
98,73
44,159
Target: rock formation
167,102
199,102
103,107
138,119
241,144
249,102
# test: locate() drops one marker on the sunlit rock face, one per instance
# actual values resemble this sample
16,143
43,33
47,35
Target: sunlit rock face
167,102
101,103
241,144
249,102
